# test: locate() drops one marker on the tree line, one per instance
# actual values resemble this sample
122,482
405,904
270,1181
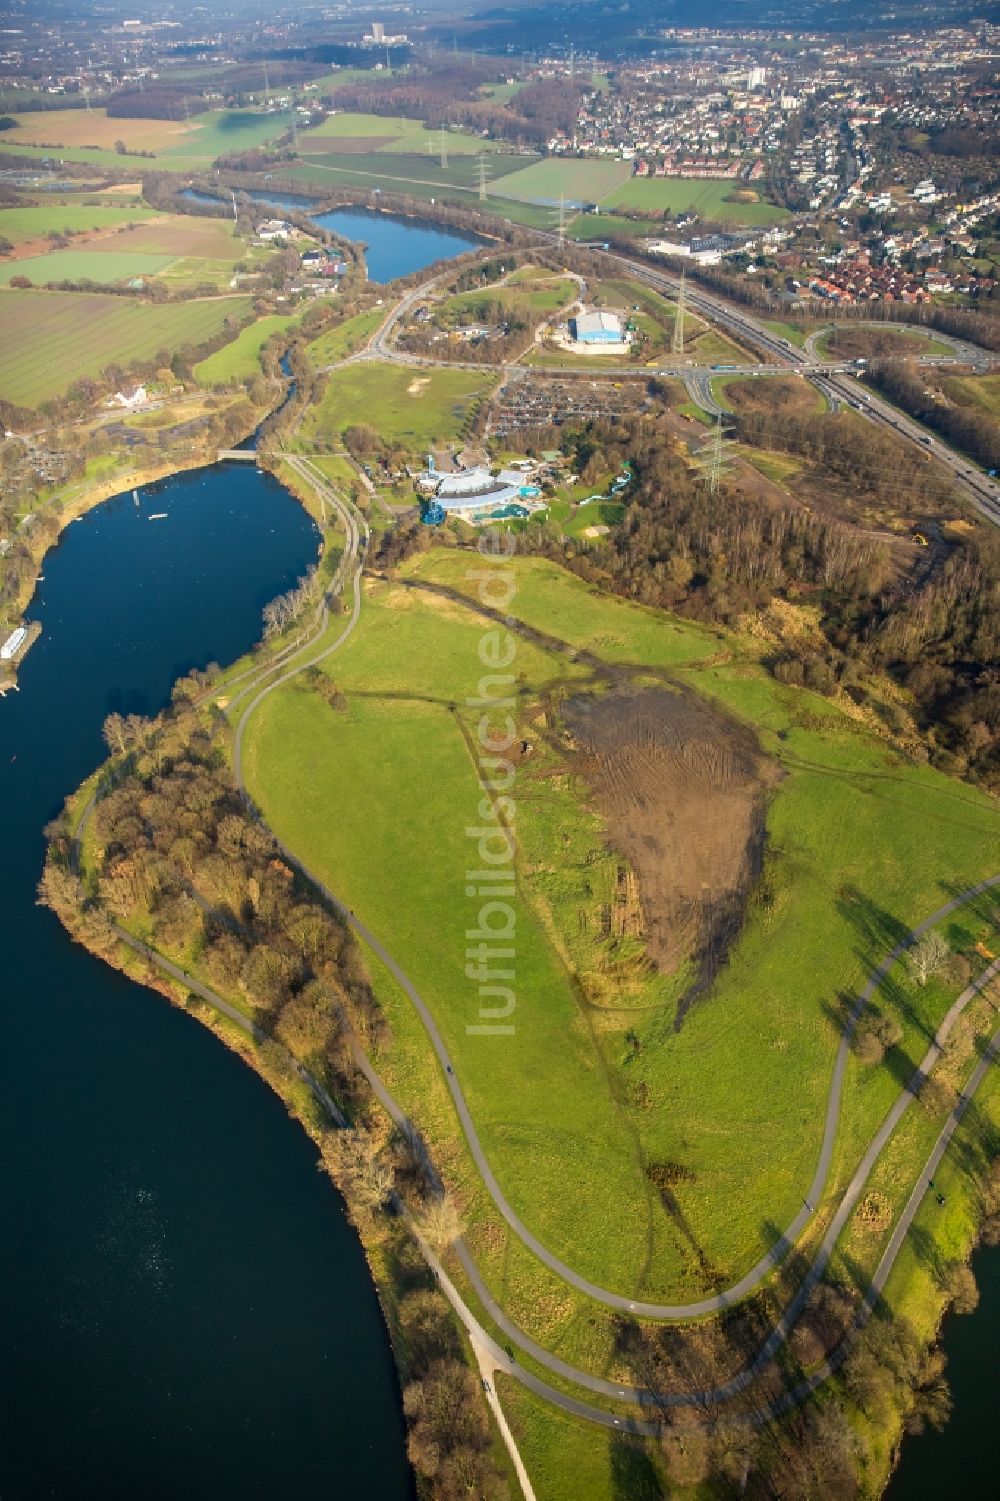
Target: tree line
178,853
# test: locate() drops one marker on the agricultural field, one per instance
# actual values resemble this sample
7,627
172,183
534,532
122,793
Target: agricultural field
462,172
410,407
391,133
240,360
81,127
54,338
38,220
857,845
178,146
182,250
706,195
106,267
578,181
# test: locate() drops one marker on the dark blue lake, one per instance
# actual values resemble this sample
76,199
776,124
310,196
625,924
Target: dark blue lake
186,1310
396,244
958,1461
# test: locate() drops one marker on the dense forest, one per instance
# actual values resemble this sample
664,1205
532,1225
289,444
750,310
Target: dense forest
451,95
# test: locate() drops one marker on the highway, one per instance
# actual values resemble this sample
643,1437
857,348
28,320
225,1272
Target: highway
836,380
830,378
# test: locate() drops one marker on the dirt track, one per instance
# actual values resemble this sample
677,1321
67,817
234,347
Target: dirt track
682,788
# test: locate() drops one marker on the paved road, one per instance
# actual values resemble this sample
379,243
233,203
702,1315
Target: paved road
835,384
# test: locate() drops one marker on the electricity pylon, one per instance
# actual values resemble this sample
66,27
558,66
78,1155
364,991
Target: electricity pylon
444,152
482,176
711,458
562,217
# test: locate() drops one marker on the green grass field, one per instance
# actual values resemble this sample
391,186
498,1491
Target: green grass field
579,181
399,135
346,337
706,195
53,338
240,360
859,843
982,391
107,267
795,333
411,407
596,228
540,294
20,224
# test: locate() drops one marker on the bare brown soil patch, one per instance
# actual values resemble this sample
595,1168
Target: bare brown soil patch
682,788
348,145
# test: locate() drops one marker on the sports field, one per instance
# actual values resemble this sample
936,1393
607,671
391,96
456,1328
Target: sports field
241,359
706,195
596,1082
410,407
31,223
53,338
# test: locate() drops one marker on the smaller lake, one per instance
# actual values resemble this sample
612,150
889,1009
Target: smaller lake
396,244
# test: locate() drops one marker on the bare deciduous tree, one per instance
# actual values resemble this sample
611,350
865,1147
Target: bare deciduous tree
927,956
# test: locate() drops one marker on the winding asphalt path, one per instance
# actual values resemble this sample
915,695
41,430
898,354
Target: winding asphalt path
716,1302
489,1352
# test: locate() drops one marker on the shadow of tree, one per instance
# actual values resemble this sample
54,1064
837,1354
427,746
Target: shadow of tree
633,1474
878,930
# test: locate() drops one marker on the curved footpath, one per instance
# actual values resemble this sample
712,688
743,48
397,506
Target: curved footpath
487,1349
